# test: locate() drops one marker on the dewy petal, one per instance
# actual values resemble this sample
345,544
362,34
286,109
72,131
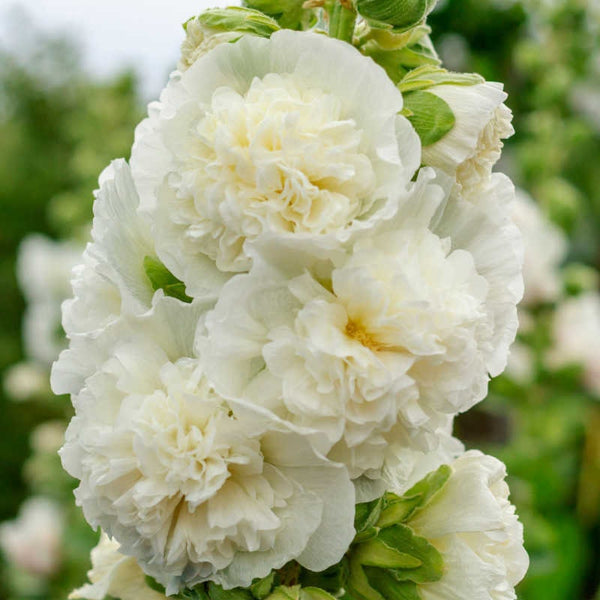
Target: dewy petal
294,136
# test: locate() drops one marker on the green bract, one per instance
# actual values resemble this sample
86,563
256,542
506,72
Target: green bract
431,116
236,18
426,76
162,279
290,14
399,53
387,559
398,15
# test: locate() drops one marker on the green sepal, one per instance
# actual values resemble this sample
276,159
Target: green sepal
330,580
162,279
399,15
197,593
290,14
237,18
376,553
389,587
398,63
367,514
426,76
261,588
398,509
357,585
315,593
432,117
154,585
216,592
404,539
285,592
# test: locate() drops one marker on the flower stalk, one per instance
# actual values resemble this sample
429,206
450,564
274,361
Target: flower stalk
342,19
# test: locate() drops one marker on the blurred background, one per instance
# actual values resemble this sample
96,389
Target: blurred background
74,78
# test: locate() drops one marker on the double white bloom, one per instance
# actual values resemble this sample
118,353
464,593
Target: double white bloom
341,305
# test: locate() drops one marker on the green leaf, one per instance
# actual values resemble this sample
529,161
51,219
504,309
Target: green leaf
432,117
290,14
237,18
261,588
216,592
329,580
197,593
314,593
389,587
367,514
376,553
162,279
357,584
403,539
427,76
399,15
400,509
154,585
284,592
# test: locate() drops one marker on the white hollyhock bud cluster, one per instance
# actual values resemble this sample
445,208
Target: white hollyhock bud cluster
279,307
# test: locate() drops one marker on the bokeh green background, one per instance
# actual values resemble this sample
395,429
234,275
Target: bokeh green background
59,128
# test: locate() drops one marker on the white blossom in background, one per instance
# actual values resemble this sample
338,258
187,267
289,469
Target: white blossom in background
26,380
545,250
44,272
293,136
471,522
473,146
195,487
116,575
404,330
521,364
32,542
576,337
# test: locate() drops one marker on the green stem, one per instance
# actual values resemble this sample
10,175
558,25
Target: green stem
341,19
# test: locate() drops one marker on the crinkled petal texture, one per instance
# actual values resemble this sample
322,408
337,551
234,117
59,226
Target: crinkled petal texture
296,135
473,146
196,488
398,336
474,526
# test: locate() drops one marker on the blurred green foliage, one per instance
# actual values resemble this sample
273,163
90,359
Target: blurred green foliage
547,431
58,130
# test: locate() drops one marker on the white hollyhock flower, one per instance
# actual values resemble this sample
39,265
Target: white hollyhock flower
576,337
116,575
195,487
471,522
545,250
298,135
473,146
32,541
44,270
403,329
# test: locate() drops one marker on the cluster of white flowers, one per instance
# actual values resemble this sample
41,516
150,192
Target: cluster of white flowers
286,297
